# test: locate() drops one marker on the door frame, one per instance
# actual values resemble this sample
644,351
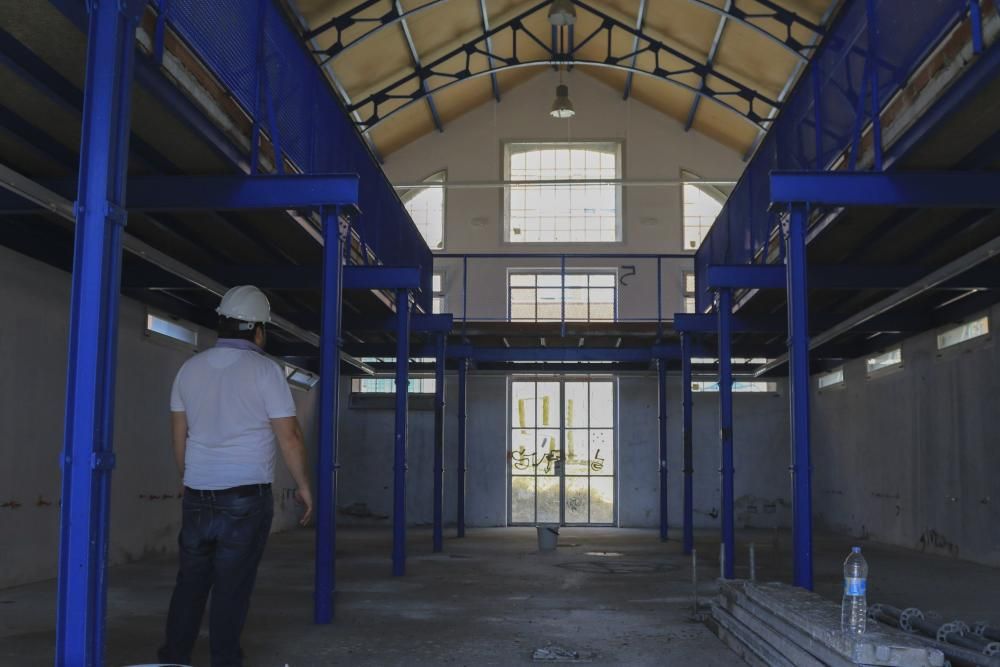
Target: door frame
562,379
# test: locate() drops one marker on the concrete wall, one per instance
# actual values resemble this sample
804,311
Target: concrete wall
911,457
654,147
761,449
145,512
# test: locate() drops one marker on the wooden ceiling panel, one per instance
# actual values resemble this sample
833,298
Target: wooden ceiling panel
688,26
753,60
408,125
668,99
723,126
367,67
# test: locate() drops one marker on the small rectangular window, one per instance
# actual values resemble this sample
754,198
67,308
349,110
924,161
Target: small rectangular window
701,206
387,385
542,297
426,209
752,387
885,361
689,287
171,328
832,379
963,332
437,287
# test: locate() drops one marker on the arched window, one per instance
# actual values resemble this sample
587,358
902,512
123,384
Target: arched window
702,205
551,212
426,208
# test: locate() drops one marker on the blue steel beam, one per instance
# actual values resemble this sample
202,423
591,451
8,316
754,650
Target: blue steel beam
381,277
87,457
440,361
239,192
778,324
798,351
915,189
661,409
638,354
843,276
725,313
399,443
463,372
687,427
334,238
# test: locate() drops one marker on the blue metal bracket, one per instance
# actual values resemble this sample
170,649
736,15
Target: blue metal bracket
104,461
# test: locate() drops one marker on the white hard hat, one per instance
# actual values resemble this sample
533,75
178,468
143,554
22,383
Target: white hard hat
246,303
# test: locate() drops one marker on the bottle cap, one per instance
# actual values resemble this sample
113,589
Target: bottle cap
855,550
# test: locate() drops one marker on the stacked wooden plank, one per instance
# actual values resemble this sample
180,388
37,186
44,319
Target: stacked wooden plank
776,625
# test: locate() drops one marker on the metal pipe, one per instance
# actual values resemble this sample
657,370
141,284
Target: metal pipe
798,349
329,403
438,537
463,366
661,395
87,456
688,429
725,313
569,182
399,449
753,563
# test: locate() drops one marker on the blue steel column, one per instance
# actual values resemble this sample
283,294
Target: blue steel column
661,401
329,402
725,309
399,448
439,443
686,421
463,368
798,390
90,387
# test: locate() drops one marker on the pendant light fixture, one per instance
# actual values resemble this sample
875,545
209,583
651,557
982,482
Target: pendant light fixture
562,12
562,107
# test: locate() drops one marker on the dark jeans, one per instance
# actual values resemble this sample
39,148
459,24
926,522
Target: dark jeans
221,542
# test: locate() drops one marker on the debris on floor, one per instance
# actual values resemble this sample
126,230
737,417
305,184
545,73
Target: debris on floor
553,653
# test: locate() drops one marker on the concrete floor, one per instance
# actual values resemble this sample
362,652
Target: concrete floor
490,599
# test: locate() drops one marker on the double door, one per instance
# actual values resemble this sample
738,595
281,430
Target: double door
562,451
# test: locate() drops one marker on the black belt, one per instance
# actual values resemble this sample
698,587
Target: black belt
238,491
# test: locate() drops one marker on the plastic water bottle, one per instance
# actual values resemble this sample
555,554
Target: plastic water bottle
854,608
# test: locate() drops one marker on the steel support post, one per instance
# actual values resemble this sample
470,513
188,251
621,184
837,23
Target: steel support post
687,428
661,401
798,390
88,458
399,448
438,539
334,237
725,313
463,369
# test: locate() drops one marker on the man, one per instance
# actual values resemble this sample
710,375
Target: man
229,406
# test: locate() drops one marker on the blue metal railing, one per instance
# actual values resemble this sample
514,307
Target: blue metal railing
868,54
261,60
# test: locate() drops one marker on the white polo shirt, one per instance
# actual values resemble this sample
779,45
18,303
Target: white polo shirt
229,394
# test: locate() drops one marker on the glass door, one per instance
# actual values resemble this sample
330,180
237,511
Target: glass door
562,456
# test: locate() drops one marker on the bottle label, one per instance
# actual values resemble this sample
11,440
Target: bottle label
855,586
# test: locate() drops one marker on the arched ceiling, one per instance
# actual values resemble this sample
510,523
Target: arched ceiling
405,68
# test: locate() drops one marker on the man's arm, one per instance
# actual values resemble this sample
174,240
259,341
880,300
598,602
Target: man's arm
179,431
293,451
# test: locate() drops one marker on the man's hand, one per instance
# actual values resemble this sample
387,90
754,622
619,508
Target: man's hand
303,496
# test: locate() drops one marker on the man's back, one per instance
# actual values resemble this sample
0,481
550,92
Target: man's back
230,394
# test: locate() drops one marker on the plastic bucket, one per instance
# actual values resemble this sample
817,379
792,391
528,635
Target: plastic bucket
548,537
